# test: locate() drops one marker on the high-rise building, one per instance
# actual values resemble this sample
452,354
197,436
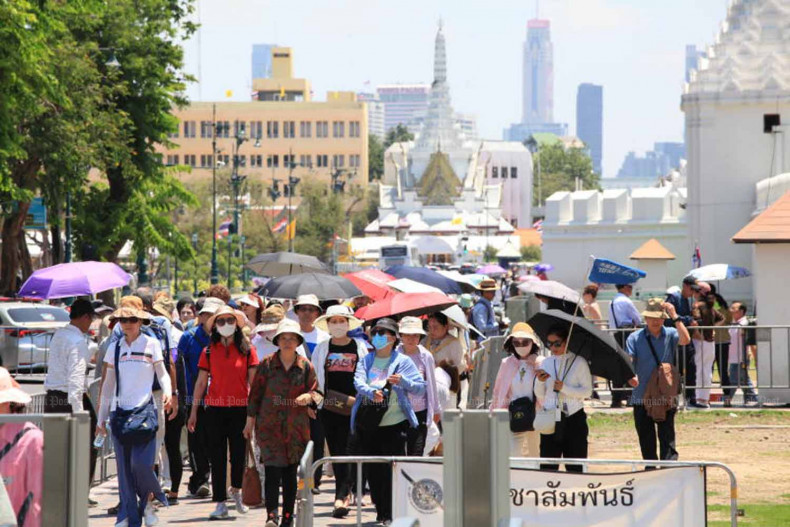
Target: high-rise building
403,102
664,157
538,74
376,113
262,60
589,121
692,59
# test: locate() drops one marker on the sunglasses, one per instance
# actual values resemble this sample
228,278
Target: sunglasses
555,343
380,332
223,321
128,320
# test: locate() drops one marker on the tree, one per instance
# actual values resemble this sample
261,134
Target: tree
531,253
489,254
397,135
320,216
559,170
375,158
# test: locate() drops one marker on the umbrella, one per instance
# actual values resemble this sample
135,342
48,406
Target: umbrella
282,264
403,304
605,271
466,285
372,283
491,270
324,286
543,268
457,317
551,289
602,352
716,272
528,278
405,285
425,276
74,279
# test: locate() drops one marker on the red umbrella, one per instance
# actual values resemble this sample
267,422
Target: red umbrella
403,304
372,283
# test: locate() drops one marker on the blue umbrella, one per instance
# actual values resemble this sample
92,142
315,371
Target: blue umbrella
425,276
605,271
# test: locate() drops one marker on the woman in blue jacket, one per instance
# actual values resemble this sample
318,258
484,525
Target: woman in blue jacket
385,367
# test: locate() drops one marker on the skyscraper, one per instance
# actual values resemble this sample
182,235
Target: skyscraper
403,102
262,60
589,121
692,59
538,74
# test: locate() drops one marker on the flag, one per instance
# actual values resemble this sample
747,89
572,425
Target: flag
228,93
280,221
282,93
224,228
290,232
696,258
538,225
605,271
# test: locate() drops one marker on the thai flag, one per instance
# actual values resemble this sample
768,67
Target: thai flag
538,225
224,228
696,258
280,225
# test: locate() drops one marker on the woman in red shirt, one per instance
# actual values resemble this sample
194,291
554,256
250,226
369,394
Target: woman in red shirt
229,361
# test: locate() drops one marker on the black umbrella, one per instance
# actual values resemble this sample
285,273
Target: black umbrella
602,352
282,264
324,286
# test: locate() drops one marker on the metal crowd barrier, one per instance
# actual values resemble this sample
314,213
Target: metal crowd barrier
34,342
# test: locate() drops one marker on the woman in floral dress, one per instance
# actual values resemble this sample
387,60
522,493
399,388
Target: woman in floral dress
282,398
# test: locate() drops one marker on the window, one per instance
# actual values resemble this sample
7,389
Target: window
189,128
504,172
353,128
272,129
273,161
321,160
174,133
354,161
224,159
305,129
289,129
288,160
172,160
256,161
256,129
338,128
306,161
223,128
240,128
338,161
204,161
513,172
322,129
494,172
205,129
242,160
189,160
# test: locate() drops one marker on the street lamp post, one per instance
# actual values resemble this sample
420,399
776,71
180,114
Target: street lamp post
235,180
194,261
291,188
69,241
215,129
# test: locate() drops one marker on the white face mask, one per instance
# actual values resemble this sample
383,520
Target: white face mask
227,330
338,329
523,351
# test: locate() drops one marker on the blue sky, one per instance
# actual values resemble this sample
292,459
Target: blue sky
634,48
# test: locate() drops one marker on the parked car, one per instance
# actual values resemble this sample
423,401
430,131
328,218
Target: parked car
27,330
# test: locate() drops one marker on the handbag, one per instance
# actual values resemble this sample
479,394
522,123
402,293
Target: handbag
545,421
522,412
137,425
369,413
335,401
251,493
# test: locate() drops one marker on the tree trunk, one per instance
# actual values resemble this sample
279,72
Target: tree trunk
25,262
57,246
13,237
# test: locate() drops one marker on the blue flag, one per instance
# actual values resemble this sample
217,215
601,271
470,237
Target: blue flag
605,271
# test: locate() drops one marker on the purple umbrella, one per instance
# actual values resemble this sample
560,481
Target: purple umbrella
543,268
491,270
74,279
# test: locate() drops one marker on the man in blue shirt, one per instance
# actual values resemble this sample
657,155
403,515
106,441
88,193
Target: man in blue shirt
645,346
623,315
483,311
191,345
683,301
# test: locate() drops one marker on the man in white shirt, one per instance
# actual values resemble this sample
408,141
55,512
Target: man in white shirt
67,366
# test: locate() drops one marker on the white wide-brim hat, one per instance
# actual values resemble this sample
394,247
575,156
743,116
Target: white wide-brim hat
338,311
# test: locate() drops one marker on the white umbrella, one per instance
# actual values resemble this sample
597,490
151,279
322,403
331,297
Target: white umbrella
551,289
457,318
716,272
406,285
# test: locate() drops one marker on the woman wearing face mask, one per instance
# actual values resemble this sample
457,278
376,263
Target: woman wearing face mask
516,379
375,372
265,330
564,382
335,362
443,345
425,406
229,361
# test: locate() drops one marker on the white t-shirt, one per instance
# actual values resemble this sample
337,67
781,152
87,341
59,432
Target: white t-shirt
523,382
264,347
313,339
443,382
136,370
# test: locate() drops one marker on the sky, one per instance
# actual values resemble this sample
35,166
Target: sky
634,48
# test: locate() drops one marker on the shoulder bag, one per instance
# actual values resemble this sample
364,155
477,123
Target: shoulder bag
251,493
137,425
369,413
522,412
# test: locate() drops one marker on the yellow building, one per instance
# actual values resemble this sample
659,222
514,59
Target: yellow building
283,126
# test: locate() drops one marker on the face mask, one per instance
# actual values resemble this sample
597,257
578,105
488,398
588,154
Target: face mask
379,341
338,330
227,330
523,351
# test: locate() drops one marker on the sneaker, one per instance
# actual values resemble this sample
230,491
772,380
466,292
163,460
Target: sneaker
237,499
203,491
167,485
113,511
122,523
151,518
271,520
92,503
288,520
220,513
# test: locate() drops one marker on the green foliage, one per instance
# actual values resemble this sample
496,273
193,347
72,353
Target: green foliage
559,169
319,217
375,158
397,135
531,253
489,254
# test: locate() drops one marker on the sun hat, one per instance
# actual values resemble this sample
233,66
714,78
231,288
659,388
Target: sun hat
10,392
211,305
386,323
655,309
466,301
338,310
270,317
489,284
100,308
131,301
131,312
249,300
164,306
307,300
288,326
410,326
522,330
241,320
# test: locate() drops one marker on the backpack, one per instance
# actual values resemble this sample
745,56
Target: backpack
663,387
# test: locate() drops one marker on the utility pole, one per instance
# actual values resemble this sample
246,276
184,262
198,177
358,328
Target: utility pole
69,242
214,264
292,181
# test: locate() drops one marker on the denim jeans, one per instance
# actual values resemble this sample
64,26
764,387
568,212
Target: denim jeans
136,479
739,376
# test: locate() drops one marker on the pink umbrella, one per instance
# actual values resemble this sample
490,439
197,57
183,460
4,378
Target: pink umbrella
372,283
402,304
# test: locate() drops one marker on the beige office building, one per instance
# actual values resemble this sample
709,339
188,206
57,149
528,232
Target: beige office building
282,126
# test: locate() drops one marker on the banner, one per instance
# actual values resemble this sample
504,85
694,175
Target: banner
669,496
605,271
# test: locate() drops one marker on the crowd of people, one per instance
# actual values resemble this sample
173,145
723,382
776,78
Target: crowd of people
265,376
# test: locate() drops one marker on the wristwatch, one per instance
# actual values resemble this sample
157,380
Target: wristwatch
675,320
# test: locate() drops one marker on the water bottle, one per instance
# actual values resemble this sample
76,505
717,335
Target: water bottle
98,443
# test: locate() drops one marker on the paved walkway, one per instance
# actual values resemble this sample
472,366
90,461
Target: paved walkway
191,511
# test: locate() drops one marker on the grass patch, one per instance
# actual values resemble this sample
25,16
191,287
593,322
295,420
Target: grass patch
757,515
600,421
